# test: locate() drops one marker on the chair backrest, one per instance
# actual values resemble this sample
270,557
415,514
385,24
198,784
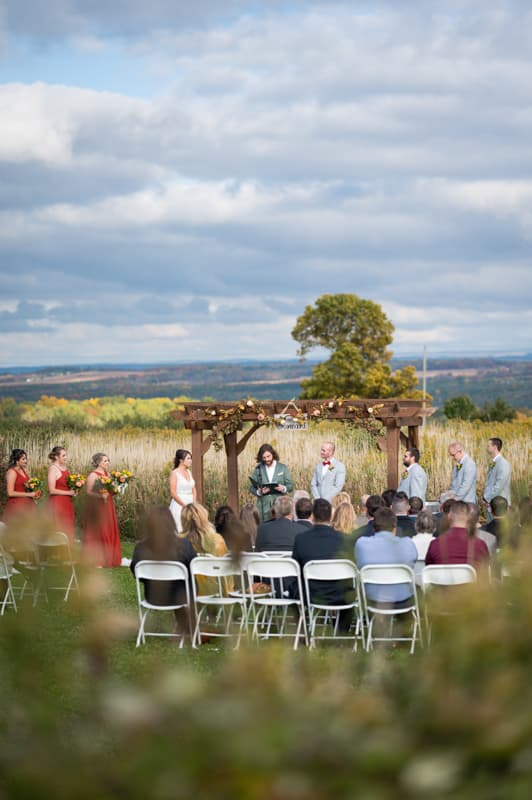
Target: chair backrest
214,566
161,571
448,575
277,553
330,570
388,574
55,547
274,567
244,559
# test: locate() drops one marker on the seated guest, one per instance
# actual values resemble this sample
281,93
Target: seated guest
373,502
227,524
280,532
160,542
476,530
303,512
384,547
456,545
400,507
415,505
387,496
205,541
425,527
441,517
344,518
250,519
321,542
298,495
341,497
499,510
361,511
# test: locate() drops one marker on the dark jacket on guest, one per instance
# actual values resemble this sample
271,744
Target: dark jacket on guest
277,534
322,542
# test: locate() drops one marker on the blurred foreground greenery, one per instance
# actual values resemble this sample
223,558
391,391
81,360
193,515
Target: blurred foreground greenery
85,714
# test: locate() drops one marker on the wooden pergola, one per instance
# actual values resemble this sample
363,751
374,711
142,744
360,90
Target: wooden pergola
217,422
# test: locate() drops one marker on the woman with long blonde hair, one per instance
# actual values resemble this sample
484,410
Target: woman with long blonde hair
344,518
204,539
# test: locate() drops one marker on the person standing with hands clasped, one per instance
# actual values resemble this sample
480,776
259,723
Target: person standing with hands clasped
269,479
329,475
498,477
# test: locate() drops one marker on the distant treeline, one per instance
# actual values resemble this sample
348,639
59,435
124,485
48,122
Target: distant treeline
508,379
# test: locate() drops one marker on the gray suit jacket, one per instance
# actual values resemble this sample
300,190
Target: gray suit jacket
464,480
498,479
329,484
415,484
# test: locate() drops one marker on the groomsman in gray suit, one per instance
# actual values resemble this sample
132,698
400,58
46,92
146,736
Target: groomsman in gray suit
329,475
499,473
464,477
414,481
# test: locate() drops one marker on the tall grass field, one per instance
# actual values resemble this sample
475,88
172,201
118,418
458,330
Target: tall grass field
149,455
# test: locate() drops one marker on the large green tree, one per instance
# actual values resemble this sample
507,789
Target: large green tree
357,332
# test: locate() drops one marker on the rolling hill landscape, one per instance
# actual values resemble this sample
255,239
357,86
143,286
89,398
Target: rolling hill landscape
483,379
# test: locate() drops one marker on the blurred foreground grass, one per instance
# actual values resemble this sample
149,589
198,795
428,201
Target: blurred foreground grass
86,714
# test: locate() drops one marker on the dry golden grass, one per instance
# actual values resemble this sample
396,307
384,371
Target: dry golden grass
149,454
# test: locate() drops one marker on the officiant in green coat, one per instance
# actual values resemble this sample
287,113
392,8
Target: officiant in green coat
270,479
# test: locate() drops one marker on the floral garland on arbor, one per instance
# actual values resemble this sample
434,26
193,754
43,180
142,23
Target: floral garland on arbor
229,420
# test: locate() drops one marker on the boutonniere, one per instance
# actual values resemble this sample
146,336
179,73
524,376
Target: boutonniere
458,467
405,474
491,466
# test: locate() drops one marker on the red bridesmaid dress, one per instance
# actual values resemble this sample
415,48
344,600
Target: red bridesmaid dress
101,537
17,505
62,506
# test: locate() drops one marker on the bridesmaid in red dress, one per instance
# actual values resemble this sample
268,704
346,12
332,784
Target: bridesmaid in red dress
101,538
60,501
18,500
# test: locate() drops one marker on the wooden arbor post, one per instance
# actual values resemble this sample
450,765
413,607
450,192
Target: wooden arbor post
223,420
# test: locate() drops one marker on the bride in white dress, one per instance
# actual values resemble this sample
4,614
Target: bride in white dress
182,485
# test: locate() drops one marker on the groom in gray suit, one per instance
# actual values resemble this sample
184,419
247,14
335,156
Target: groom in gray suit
499,473
329,475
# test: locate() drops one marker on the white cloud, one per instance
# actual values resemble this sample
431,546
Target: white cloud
325,148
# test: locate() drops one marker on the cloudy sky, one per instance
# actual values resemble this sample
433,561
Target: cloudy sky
179,179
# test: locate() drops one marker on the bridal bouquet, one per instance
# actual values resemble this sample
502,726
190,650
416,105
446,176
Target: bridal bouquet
121,478
34,485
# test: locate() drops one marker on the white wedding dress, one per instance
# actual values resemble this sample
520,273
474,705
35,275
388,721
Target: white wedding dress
184,488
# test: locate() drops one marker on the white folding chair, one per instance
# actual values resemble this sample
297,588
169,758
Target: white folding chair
54,555
243,591
271,611
327,615
447,575
222,569
390,575
276,553
444,575
6,571
160,571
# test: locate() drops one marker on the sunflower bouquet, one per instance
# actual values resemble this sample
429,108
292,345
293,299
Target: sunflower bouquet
76,481
121,478
105,485
34,485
